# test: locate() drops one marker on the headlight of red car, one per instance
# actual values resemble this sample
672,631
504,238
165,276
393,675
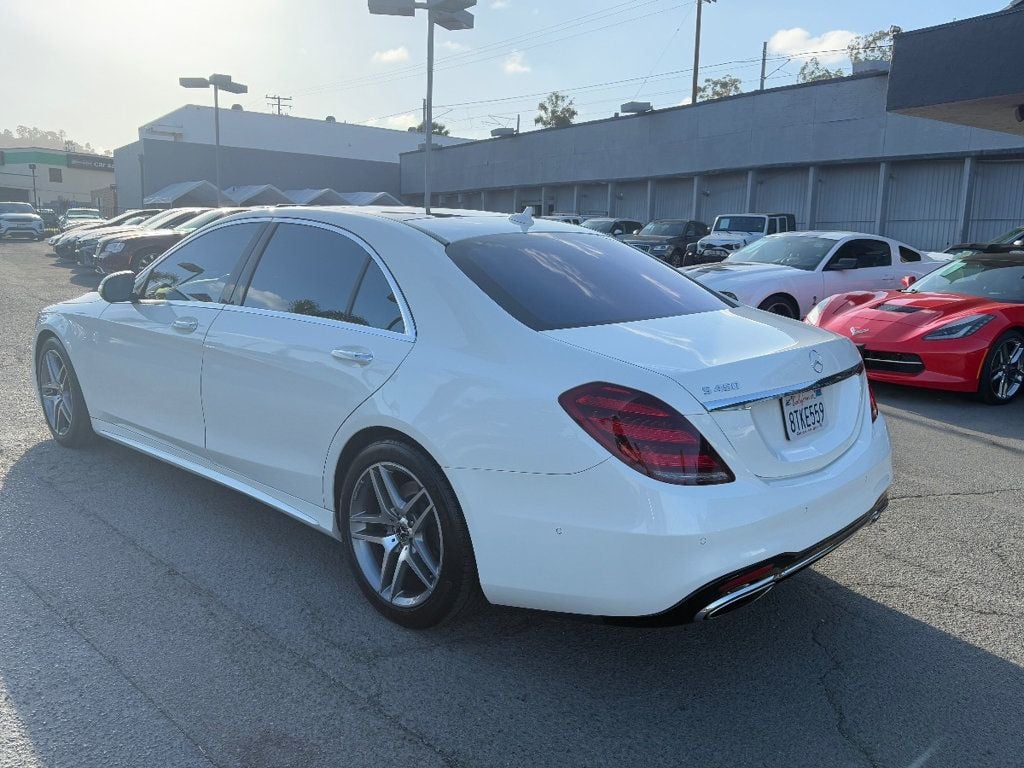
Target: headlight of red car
958,329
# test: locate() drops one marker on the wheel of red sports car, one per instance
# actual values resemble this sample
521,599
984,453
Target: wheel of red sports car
1002,376
407,540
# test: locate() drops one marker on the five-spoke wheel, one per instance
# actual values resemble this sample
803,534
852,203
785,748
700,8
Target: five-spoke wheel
1003,374
63,404
408,543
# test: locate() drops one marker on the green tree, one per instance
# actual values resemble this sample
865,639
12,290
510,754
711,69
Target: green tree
812,70
556,110
719,88
439,128
876,46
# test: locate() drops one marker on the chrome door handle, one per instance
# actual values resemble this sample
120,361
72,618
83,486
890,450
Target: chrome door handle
185,324
353,355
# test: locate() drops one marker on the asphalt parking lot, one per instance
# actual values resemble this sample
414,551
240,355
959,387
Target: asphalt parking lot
151,618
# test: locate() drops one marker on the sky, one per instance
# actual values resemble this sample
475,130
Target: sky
100,71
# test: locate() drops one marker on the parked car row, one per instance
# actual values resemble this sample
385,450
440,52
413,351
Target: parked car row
917,320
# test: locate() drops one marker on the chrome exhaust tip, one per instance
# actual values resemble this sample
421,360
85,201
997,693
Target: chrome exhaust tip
741,597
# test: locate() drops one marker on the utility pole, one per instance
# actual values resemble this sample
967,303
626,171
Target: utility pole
764,61
696,52
278,103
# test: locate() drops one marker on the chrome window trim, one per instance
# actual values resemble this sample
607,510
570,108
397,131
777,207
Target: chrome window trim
745,401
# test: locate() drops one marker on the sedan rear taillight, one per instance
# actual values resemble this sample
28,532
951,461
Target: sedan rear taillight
645,433
874,403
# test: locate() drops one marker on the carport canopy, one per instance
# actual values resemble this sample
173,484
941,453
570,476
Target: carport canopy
184,193
315,197
257,194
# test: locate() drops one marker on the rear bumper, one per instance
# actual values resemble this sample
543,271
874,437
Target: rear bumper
611,542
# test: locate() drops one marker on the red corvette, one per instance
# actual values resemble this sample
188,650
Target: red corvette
959,328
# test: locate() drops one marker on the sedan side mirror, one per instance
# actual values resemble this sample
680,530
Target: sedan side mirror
908,280
616,232
636,231
843,264
118,287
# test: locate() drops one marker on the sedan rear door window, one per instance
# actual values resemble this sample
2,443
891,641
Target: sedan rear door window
568,280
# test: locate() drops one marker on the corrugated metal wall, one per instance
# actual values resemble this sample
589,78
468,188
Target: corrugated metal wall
724,193
997,205
562,198
631,200
594,199
673,199
847,197
924,203
500,200
783,192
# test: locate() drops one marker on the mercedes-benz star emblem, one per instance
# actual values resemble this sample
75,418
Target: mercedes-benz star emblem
816,362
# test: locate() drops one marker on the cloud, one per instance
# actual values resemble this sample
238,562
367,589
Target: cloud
451,45
514,64
799,43
391,55
500,5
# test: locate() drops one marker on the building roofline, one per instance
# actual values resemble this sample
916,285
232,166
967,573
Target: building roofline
642,115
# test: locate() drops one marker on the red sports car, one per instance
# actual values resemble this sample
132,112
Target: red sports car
959,328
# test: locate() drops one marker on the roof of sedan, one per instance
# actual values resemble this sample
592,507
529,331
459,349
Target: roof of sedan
444,224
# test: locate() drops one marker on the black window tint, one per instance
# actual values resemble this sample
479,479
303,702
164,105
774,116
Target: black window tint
908,255
567,280
773,226
199,270
307,271
868,253
376,304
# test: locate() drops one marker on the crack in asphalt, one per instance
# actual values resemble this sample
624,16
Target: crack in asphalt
832,697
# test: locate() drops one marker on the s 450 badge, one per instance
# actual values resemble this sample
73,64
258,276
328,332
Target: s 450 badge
729,386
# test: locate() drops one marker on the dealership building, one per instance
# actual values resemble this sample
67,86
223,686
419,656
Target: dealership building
54,178
907,153
259,149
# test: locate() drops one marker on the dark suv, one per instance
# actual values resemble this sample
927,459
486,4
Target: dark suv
667,239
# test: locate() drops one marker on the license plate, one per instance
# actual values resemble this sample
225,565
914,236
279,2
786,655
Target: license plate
803,413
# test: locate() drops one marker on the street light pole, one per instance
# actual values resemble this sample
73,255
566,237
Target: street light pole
429,119
219,82
35,196
450,14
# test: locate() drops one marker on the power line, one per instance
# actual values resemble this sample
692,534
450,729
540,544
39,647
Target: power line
415,69
391,77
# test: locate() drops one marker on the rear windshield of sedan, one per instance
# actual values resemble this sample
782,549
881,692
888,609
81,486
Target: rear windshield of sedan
799,252
565,280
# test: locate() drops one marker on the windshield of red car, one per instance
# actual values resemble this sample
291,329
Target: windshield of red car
998,277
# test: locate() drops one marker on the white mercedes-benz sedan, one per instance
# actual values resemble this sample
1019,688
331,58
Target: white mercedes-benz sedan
789,273
481,405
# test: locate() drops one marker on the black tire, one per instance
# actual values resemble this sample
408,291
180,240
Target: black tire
456,588
780,304
988,390
675,258
72,431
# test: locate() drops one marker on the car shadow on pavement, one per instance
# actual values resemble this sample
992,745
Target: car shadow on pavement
956,409
149,617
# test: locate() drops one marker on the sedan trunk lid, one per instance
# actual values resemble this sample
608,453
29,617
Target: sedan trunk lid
740,364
